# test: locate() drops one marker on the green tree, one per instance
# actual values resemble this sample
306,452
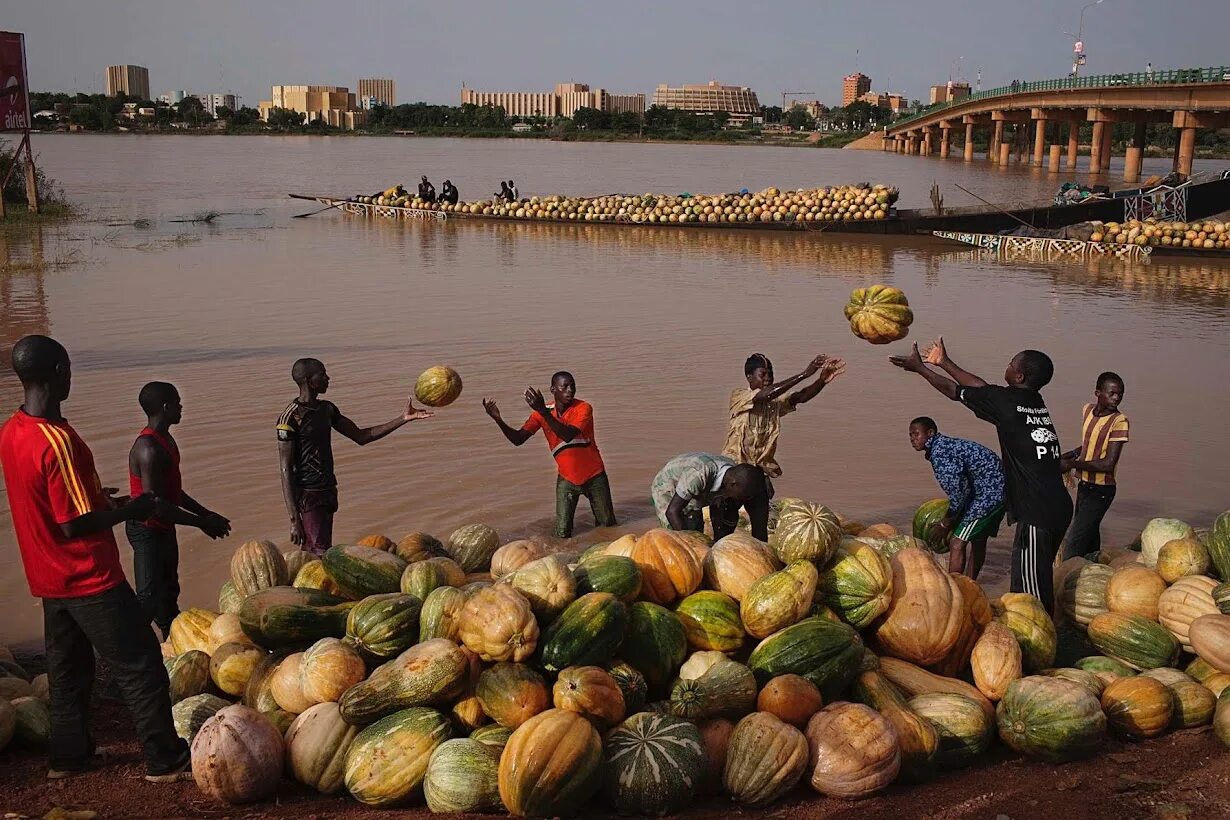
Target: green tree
283,119
223,112
193,112
798,118
626,122
720,119
771,113
591,119
87,116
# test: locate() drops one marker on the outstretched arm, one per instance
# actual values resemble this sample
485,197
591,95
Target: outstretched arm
366,435
773,391
515,436
914,364
151,468
831,369
938,355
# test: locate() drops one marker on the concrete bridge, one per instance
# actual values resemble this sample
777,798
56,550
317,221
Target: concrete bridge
1188,99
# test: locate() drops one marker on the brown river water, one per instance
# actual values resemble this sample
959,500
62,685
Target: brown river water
654,323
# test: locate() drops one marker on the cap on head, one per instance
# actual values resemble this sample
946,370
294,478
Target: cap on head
755,361
38,360
304,369
1035,367
155,396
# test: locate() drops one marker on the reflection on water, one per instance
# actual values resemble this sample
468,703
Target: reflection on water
655,324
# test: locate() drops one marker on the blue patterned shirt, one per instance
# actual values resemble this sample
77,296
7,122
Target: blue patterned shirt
969,473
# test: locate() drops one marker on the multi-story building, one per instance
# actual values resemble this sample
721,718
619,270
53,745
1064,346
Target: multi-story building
708,98
212,102
131,80
173,97
385,91
949,92
854,86
333,105
897,102
562,102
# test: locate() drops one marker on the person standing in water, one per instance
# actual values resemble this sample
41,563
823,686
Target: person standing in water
1104,431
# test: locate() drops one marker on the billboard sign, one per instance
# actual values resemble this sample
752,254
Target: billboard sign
14,90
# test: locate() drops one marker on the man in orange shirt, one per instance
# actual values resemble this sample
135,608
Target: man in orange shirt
63,520
568,425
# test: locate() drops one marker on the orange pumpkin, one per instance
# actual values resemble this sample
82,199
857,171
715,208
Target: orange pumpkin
925,617
736,562
514,555
715,737
328,668
590,692
996,660
854,751
879,531
1135,590
377,541
551,765
419,546
791,698
879,313
1183,602
498,624
286,687
980,615
1138,707
468,710
511,693
669,568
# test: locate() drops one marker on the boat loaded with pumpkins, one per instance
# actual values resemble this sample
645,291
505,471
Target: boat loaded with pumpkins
480,675
862,208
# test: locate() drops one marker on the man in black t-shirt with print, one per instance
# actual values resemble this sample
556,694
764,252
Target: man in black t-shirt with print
1038,502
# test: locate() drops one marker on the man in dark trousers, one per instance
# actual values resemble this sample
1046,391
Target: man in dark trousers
153,467
305,451
1104,432
1038,502
63,520
568,425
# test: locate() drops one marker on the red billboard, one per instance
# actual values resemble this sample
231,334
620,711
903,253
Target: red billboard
14,91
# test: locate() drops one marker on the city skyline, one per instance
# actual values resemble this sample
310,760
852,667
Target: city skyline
632,47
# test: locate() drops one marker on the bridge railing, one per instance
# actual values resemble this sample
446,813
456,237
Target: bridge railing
1173,76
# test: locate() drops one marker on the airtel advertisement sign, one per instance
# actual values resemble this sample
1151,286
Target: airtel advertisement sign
14,91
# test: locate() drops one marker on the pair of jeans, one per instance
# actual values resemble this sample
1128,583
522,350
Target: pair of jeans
567,495
1085,532
112,624
155,563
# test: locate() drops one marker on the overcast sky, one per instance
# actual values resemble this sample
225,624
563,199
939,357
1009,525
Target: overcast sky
430,49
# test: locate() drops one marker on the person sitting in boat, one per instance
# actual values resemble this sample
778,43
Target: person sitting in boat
448,192
692,481
513,194
504,194
427,191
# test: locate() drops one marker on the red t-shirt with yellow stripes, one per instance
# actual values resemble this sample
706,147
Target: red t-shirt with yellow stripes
50,477
1097,433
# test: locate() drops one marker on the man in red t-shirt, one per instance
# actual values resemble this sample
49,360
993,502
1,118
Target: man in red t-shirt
568,425
63,522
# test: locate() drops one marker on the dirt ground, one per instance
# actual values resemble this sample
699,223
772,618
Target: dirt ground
1182,775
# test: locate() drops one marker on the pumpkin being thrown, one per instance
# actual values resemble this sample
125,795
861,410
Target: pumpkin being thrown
880,314
438,386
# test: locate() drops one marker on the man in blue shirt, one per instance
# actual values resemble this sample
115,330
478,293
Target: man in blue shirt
973,478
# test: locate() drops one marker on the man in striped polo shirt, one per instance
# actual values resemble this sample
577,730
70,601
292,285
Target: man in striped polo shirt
1104,431
568,424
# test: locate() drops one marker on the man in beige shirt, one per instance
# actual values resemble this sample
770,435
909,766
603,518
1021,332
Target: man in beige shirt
756,411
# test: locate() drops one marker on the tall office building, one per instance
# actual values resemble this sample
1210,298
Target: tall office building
854,86
132,80
385,91
738,101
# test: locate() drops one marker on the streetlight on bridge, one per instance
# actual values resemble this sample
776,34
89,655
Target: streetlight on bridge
1078,48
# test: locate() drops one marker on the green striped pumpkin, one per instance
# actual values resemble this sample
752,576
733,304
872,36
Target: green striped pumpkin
725,689
229,598
1218,544
654,765
631,682
463,776
1101,663
711,621
654,643
188,673
441,613
965,730
472,546
1221,597
423,578
362,571
383,626
428,673
616,574
191,713
493,734
387,761
33,726
928,513
1083,596
827,653
587,632
805,532
858,586
1050,719
1133,639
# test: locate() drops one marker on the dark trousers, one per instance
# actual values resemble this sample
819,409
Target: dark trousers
567,495
316,511
1085,533
155,563
1033,553
112,624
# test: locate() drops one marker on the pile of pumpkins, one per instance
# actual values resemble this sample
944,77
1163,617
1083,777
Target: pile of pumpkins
1198,235
839,203
646,671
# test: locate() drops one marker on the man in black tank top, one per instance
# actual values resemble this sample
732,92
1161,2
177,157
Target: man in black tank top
305,451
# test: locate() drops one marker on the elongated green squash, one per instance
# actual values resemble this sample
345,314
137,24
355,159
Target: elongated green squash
288,616
711,621
1137,641
1050,719
587,632
726,689
918,738
441,614
654,643
615,574
1218,545
384,626
425,674
827,653
858,586
362,571
386,762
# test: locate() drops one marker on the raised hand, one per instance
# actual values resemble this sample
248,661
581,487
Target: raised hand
831,369
492,409
414,413
815,365
912,362
533,397
935,353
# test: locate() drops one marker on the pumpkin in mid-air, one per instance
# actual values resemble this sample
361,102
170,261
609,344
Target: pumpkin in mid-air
438,386
880,314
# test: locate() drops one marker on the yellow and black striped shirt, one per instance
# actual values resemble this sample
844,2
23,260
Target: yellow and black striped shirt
1097,433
